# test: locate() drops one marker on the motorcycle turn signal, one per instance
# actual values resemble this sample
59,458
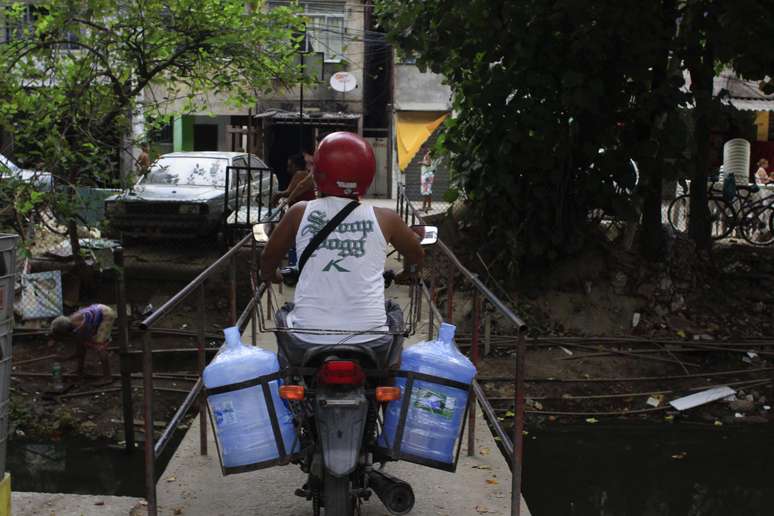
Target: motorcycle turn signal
292,392
387,393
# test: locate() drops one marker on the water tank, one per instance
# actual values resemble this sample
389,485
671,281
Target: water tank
435,415
736,160
242,424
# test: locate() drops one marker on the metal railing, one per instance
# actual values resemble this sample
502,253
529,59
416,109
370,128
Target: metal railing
153,450
513,448
247,200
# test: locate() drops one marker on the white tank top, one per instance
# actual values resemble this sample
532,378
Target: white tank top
341,286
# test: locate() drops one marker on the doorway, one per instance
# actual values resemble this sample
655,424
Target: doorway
205,137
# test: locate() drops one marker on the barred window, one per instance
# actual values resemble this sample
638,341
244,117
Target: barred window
325,29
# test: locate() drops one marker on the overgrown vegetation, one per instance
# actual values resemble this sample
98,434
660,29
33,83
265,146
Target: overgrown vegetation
76,76
554,98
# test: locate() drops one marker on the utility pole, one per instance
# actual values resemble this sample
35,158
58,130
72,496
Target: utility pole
301,99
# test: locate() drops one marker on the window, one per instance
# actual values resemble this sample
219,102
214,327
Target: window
24,27
324,28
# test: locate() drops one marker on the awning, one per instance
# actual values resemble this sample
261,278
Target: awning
414,128
311,117
752,104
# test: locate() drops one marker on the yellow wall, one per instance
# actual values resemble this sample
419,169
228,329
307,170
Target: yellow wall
762,123
5,496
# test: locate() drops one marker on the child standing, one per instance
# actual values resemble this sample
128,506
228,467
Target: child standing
427,175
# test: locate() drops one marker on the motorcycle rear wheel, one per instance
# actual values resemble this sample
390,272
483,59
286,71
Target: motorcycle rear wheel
337,498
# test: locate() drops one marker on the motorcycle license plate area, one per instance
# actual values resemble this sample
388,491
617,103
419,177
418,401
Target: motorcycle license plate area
253,427
426,425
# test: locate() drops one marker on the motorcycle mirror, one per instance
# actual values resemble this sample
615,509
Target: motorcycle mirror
259,234
427,234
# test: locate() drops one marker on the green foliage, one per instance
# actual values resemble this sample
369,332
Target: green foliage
552,99
74,80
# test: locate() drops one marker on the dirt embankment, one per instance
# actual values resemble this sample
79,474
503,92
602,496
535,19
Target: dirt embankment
612,335
37,412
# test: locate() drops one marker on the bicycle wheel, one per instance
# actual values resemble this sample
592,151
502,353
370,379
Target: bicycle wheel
722,217
757,225
678,213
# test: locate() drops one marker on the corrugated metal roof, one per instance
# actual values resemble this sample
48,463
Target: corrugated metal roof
310,115
752,104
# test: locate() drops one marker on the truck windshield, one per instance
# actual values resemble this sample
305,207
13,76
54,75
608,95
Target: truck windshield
192,171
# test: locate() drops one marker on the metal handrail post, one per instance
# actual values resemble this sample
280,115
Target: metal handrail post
123,347
150,456
430,302
268,303
518,427
232,303
254,285
450,295
474,359
202,359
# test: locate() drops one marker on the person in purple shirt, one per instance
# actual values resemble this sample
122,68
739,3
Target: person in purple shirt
88,328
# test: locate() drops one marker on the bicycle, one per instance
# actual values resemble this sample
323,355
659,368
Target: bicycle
756,223
723,215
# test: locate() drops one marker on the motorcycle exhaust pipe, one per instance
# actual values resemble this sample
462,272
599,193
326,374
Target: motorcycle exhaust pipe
394,493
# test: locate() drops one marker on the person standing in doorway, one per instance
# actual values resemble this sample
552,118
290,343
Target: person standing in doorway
301,188
426,178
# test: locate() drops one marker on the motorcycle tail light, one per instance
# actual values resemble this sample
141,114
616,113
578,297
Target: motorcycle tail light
341,372
387,393
292,392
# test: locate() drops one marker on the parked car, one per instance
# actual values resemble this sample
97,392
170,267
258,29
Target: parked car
183,195
8,170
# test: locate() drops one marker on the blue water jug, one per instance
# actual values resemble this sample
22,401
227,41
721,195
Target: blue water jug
435,415
242,422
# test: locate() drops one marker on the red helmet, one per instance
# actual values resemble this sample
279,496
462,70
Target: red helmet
344,165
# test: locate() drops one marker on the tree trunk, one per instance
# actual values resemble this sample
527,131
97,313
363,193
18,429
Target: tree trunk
652,169
652,234
702,74
72,224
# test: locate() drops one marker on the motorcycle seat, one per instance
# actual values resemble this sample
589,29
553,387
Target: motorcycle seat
382,352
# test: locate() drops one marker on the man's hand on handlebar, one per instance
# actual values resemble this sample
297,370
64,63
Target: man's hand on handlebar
275,278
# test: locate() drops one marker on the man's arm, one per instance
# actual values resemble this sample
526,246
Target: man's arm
397,233
281,240
305,184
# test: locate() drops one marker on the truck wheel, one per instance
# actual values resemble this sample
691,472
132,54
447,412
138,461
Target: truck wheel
337,497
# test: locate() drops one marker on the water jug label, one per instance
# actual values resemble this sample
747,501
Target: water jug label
224,414
433,402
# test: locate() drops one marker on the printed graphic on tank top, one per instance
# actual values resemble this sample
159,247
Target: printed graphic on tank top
341,286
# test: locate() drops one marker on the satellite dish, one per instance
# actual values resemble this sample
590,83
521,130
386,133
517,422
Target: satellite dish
343,82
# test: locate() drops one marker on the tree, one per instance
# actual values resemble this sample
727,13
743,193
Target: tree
716,35
553,97
73,78
552,100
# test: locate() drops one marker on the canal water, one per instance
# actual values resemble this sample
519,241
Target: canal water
80,465
654,470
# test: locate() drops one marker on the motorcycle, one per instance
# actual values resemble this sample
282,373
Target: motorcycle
337,395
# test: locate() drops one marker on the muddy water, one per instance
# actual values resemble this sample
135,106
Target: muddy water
80,465
665,470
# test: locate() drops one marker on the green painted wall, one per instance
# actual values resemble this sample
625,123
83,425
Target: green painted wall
183,134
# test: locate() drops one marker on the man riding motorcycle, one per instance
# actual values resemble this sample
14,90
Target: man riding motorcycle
341,285
341,289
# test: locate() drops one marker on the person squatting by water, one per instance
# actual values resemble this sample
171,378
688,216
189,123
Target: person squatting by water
89,329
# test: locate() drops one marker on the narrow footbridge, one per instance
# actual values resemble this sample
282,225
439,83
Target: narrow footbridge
488,476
